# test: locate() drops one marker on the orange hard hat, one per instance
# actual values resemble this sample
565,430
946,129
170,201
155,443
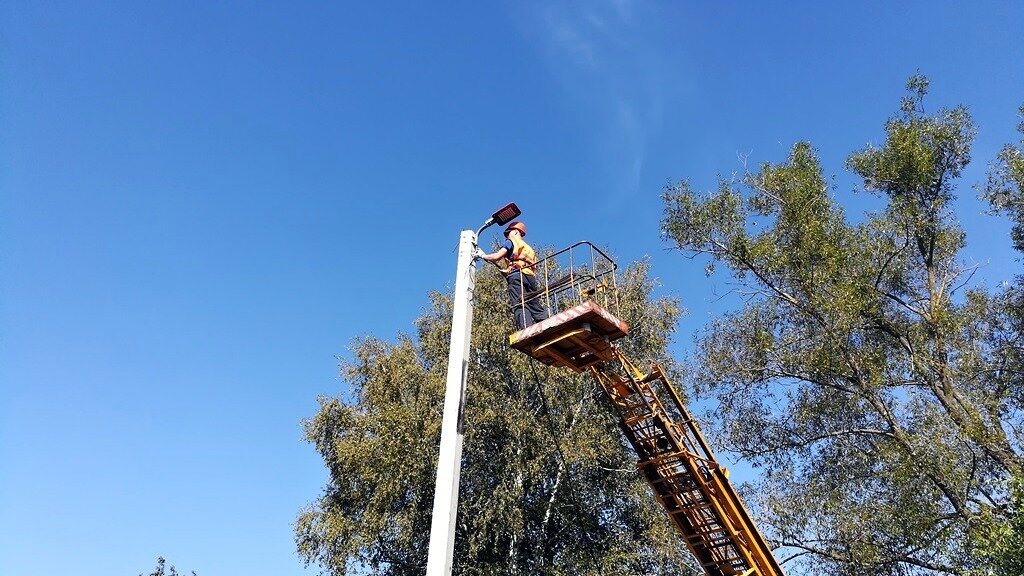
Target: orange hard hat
517,225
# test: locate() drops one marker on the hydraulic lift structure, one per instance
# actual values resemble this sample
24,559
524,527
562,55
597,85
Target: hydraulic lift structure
578,285
673,455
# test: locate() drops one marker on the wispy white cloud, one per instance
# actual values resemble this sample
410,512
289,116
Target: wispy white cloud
601,54
566,36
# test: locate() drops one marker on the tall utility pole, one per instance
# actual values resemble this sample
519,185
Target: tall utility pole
449,461
446,490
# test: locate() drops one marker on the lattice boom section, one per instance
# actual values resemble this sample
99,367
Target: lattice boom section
688,482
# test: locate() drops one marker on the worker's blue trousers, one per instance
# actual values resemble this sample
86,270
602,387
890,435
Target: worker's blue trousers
532,310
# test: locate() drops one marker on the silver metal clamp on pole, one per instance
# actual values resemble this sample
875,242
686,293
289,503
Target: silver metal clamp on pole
446,490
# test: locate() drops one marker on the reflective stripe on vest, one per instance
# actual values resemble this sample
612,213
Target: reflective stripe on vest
522,257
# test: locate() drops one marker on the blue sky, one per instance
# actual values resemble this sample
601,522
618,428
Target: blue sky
202,204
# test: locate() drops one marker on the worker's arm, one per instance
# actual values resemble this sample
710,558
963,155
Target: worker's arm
494,256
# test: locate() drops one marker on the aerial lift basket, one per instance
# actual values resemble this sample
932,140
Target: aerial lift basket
577,286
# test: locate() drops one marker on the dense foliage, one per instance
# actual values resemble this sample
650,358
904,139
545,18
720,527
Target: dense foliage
547,486
877,387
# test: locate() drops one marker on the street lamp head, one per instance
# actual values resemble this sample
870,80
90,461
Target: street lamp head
502,216
506,214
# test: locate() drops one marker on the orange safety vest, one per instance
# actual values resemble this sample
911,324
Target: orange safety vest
522,258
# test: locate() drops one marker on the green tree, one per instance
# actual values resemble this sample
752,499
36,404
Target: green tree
1001,538
861,373
1005,187
547,485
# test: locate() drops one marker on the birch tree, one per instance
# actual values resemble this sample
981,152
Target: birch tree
548,486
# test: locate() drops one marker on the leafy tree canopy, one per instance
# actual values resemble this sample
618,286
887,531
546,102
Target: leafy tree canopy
548,486
877,388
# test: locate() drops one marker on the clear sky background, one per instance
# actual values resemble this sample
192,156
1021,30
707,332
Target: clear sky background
203,203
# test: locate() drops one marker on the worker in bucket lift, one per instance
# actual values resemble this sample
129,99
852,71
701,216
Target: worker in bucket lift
518,261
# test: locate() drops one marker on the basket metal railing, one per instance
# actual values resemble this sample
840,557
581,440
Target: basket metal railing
571,276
